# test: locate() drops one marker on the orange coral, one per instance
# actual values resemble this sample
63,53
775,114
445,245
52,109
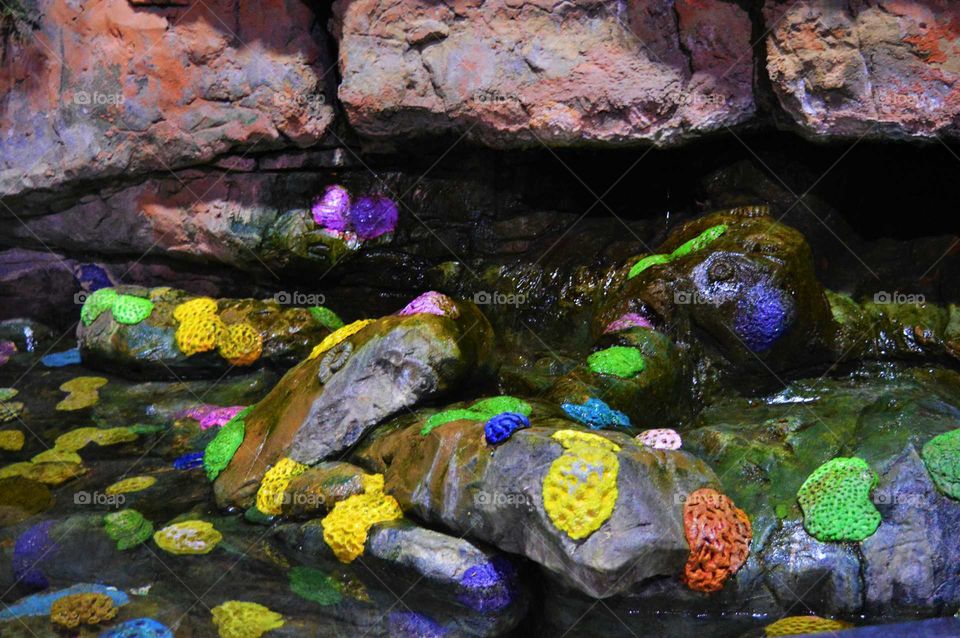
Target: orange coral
719,535
82,609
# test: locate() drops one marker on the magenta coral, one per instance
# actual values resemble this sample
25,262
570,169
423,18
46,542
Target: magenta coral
209,416
330,209
432,303
627,321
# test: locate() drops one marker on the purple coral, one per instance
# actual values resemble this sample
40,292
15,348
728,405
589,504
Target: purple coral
413,625
330,209
764,314
92,277
209,416
433,303
627,321
31,548
372,217
7,350
489,586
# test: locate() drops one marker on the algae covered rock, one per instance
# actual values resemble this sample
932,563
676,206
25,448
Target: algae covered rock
190,336
327,403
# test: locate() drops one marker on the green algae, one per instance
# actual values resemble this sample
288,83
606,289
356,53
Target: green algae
96,304
128,528
941,456
482,410
618,361
689,247
326,317
314,585
647,262
130,310
224,445
835,500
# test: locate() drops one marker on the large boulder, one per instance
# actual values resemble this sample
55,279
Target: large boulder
326,404
453,479
521,74
107,88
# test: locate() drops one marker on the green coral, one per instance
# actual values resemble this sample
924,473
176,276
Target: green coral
313,584
482,410
835,500
699,242
619,361
326,317
219,452
941,455
96,304
128,528
131,310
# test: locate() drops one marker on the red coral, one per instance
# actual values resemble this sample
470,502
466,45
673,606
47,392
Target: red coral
719,534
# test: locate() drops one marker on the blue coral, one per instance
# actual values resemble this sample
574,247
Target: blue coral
501,427
92,277
189,461
32,548
489,586
596,414
764,314
69,357
139,628
39,604
410,624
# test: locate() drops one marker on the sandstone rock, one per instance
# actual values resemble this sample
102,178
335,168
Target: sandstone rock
514,74
326,404
848,69
107,89
453,479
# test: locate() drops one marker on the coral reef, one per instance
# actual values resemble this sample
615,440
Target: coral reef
802,625
660,439
76,440
580,488
63,359
699,242
763,315
488,587
82,609
345,527
271,493
619,361
97,303
596,414
626,322
719,535
40,604
480,411
835,500
326,317
125,309
330,209
82,392
315,585
139,628
198,333
371,217
209,416
240,344
188,537
128,528
339,335
433,303
132,484
238,619
502,426
941,456
53,455
32,547
11,440
188,461
224,445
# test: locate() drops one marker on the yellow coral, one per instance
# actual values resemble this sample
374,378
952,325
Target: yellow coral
199,334
580,488
339,335
76,440
199,307
800,625
82,609
345,527
275,481
237,619
188,537
82,393
132,484
241,344
53,455
11,440
46,473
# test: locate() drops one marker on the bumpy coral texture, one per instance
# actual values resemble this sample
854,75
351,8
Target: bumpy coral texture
580,488
31,549
345,527
596,414
139,628
209,416
941,455
221,449
835,500
199,307
718,534
198,334
132,484
11,440
764,314
188,537
330,210
275,482
433,303
338,336
480,411
661,439
801,625
131,310
618,361
627,321
240,344
40,604
315,585
96,304
238,619
82,609
501,427
128,528
326,317
488,587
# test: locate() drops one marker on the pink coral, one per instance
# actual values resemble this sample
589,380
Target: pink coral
212,415
330,210
661,439
627,321
433,303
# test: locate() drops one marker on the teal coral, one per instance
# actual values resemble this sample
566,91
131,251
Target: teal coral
128,528
699,242
835,500
131,310
482,410
96,304
619,361
314,585
941,455
221,449
326,317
